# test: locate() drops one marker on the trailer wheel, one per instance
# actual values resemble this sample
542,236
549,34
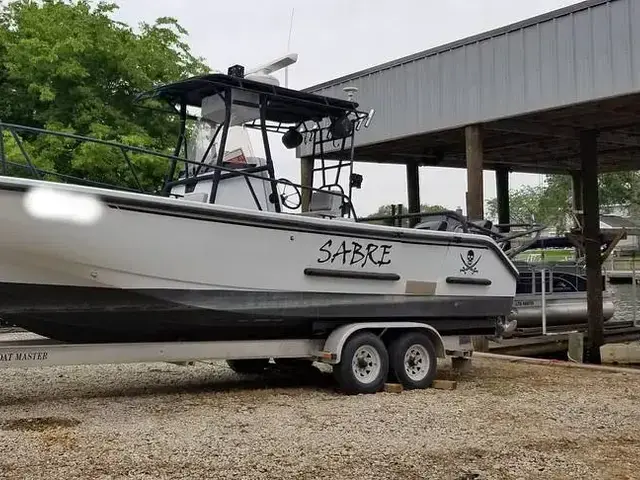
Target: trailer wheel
413,360
248,366
364,365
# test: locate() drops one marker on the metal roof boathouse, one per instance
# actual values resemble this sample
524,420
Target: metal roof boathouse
558,93
575,68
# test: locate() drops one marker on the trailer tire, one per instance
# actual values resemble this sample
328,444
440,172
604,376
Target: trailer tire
248,366
364,364
413,360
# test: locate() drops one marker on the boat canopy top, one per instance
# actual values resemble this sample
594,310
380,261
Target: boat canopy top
283,105
217,150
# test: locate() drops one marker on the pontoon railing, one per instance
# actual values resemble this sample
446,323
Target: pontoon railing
39,173
556,277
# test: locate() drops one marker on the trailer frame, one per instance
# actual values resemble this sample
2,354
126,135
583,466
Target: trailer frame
36,351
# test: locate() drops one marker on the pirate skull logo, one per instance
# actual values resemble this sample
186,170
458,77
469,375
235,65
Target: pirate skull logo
469,263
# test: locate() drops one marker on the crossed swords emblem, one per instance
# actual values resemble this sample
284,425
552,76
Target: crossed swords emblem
469,263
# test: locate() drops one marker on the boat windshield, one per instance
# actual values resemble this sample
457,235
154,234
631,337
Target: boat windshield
214,160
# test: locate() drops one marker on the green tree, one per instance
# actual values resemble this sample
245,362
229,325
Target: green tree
387,209
68,65
551,202
535,204
620,188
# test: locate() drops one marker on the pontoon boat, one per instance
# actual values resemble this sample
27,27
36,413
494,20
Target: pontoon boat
565,283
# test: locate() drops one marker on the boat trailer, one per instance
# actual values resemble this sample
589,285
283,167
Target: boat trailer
344,349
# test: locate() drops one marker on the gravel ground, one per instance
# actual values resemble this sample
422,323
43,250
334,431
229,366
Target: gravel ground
161,421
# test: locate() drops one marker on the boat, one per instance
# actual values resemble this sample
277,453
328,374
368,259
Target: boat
213,253
565,292
564,297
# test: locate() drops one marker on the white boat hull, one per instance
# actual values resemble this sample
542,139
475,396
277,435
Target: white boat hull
154,268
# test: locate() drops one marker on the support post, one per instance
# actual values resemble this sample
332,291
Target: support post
413,191
591,232
474,153
575,350
502,191
306,180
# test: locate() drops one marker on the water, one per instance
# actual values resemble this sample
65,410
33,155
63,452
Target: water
624,302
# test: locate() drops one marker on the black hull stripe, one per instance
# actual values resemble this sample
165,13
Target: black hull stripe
17,299
101,314
133,328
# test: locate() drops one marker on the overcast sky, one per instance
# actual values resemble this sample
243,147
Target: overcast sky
334,38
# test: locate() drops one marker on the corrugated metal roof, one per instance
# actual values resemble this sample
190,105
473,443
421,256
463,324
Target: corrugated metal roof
583,53
460,43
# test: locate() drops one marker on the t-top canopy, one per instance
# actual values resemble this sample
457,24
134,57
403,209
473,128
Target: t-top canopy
283,104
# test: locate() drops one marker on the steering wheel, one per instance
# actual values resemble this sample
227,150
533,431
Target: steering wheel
286,185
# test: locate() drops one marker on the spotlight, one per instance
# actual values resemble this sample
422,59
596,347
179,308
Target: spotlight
292,138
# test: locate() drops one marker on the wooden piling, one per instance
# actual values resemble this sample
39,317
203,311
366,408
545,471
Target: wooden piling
474,153
591,231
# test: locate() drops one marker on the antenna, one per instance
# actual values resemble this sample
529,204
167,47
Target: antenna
286,70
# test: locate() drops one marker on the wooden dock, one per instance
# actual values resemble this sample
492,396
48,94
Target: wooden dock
557,341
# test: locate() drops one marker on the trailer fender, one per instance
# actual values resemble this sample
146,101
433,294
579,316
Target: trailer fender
332,351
